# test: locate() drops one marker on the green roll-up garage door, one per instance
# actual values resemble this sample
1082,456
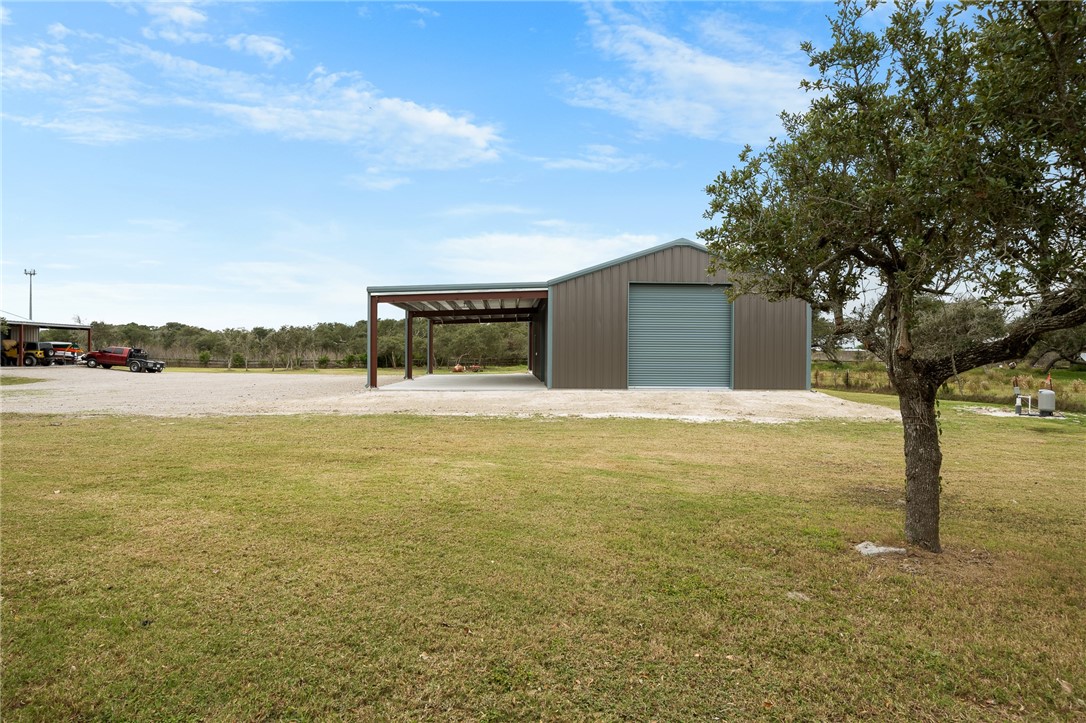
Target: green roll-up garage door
679,336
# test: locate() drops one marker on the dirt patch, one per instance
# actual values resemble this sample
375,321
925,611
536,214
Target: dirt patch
78,390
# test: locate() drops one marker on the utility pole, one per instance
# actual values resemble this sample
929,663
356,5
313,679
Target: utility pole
31,273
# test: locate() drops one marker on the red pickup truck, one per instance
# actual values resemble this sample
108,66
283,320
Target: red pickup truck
122,356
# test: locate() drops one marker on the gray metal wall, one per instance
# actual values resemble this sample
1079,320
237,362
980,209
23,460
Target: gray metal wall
588,316
771,346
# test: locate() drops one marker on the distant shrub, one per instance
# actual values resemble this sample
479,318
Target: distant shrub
205,358
349,361
323,361
237,361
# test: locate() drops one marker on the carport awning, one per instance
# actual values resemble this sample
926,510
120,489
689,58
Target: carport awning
479,303
471,304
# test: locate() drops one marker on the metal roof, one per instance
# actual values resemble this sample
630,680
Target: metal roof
48,325
465,304
475,303
628,257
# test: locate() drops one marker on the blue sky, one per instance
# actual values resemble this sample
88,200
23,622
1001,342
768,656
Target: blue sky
258,164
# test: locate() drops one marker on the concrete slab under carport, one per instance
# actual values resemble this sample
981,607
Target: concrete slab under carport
469,382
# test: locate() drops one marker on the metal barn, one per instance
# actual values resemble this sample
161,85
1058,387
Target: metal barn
650,319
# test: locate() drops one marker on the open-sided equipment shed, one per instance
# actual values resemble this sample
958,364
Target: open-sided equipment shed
650,319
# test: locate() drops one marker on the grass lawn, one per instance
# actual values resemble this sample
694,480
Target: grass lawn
16,381
991,384
413,568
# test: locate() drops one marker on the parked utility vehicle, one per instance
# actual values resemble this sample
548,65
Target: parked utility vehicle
34,353
65,352
135,359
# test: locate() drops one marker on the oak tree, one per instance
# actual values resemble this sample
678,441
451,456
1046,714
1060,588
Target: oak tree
942,156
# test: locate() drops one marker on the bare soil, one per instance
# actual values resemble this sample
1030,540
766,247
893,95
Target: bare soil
82,391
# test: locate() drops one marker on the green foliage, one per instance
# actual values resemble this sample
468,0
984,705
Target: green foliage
237,361
937,159
947,328
1063,345
912,176
204,358
323,361
824,336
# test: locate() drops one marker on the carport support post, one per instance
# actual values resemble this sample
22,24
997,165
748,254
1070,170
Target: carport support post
429,346
371,344
408,347
531,344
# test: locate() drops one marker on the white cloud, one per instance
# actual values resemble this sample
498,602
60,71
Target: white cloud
270,50
92,87
176,23
429,12
25,68
505,256
670,85
422,12
5,16
58,31
95,130
599,158
102,102
181,14
472,210
342,108
375,180
552,223
267,277
158,226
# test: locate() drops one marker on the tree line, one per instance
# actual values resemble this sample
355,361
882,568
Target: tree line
324,344
948,328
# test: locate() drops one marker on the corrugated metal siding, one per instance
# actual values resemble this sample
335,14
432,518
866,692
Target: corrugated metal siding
679,336
589,315
770,344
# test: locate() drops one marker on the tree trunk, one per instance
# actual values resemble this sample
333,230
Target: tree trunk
923,458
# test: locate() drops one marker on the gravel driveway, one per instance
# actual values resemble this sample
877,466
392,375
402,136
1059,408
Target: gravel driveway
82,391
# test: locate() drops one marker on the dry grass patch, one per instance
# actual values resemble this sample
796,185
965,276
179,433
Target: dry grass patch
8,381
408,568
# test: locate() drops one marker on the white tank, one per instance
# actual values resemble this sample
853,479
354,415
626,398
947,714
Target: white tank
1046,402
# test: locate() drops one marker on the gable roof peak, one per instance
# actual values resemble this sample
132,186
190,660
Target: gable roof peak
679,242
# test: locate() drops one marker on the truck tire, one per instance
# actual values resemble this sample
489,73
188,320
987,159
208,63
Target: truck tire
135,366
92,363
30,360
107,366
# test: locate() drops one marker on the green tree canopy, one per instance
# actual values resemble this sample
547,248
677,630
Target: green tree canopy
941,156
